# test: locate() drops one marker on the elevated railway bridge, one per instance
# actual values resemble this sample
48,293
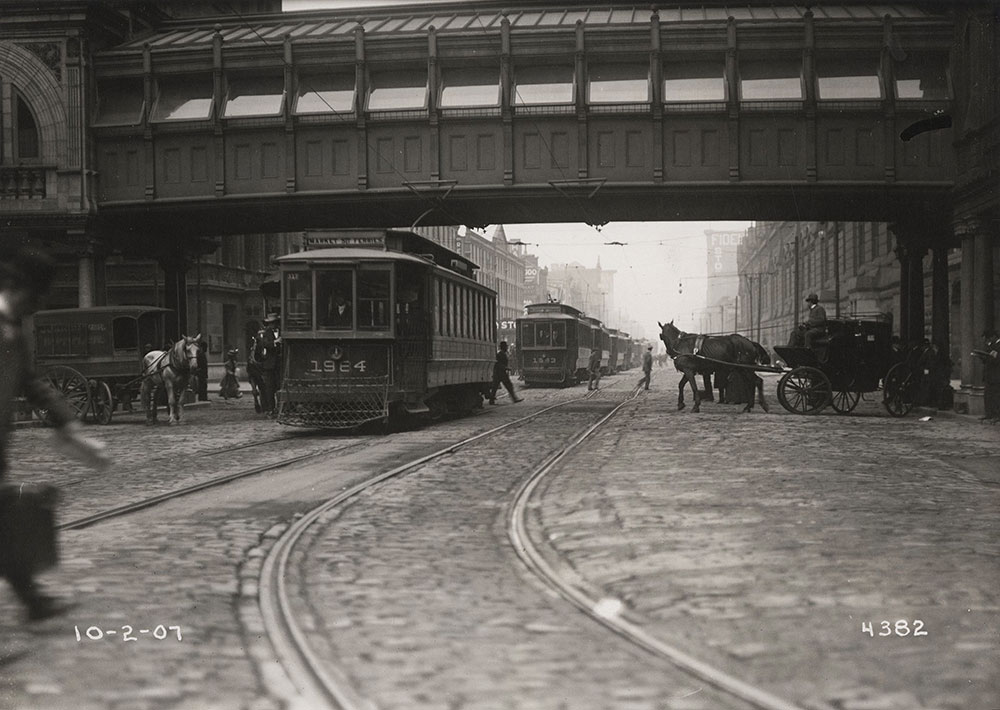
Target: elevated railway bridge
153,139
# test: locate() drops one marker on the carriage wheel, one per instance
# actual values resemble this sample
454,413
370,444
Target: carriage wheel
845,401
104,402
899,390
804,390
72,386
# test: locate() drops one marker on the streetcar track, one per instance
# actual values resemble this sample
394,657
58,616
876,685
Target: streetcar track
608,612
319,685
127,508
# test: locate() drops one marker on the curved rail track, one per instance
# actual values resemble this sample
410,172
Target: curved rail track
609,612
318,685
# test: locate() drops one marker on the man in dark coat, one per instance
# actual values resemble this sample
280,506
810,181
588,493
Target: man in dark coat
25,276
269,361
594,369
501,375
647,368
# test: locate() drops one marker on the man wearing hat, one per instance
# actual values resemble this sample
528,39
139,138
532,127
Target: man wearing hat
815,324
647,368
270,362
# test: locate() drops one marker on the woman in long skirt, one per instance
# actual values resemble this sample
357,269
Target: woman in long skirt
229,388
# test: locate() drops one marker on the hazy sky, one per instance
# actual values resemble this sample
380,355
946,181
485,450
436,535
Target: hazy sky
656,256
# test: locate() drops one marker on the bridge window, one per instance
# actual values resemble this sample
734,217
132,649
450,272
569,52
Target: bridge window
373,299
255,96
543,85
848,78
922,76
325,93
183,99
335,299
694,81
618,83
779,77
470,87
298,301
119,103
393,91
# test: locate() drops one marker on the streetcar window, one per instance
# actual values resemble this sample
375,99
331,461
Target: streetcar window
373,299
335,298
559,334
527,336
543,334
298,301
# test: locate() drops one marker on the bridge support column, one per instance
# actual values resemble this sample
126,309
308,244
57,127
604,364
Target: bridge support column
977,310
940,299
175,294
911,291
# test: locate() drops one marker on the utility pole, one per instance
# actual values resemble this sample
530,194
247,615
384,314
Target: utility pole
836,268
760,278
797,295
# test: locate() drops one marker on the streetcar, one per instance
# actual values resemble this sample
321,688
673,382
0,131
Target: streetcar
379,325
93,356
554,340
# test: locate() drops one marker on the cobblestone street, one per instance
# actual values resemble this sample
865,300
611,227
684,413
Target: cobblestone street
764,544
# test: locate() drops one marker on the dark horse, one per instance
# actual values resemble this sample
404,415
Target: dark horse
172,369
683,348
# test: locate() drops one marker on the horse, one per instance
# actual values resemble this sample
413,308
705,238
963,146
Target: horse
683,348
172,369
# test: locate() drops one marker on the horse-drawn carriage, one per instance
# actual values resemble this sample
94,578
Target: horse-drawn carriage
94,356
855,357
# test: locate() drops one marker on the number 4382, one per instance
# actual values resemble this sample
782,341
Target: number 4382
899,628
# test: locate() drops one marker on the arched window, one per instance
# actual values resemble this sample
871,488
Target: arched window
26,130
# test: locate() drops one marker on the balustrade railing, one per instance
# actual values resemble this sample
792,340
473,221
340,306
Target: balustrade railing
22,183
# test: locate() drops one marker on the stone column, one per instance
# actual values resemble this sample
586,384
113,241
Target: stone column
982,308
940,301
966,326
86,290
916,286
175,294
903,257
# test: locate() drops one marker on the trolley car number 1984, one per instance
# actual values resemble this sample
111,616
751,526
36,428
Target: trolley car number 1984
342,366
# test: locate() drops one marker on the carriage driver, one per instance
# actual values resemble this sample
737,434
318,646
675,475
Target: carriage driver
814,326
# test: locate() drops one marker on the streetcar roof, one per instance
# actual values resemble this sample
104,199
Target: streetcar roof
335,254
549,316
133,311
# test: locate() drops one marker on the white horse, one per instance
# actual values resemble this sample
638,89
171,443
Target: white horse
172,369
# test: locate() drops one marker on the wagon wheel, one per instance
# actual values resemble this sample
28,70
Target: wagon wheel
104,402
804,390
845,401
72,386
899,390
